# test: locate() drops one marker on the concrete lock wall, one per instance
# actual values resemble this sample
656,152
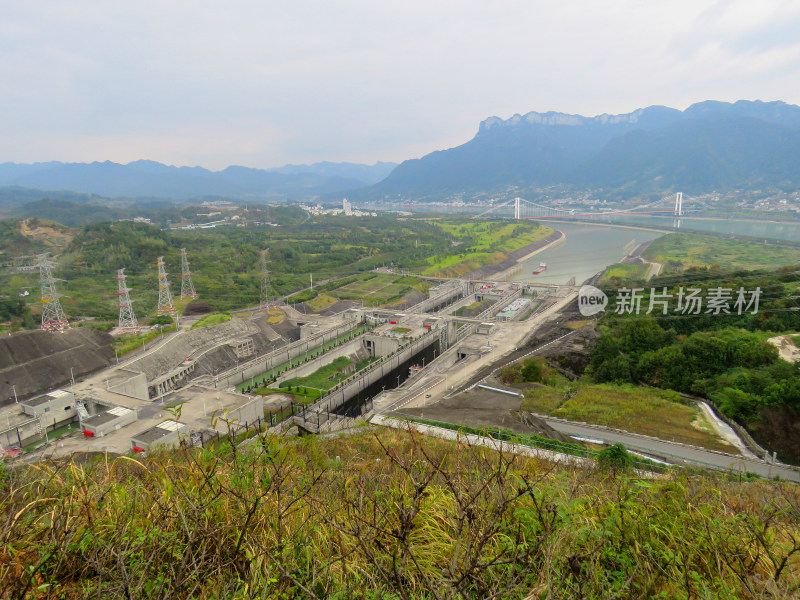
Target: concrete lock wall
281,355
337,397
439,300
135,387
380,345
245,415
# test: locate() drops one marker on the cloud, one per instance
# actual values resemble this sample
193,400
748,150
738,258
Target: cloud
265,83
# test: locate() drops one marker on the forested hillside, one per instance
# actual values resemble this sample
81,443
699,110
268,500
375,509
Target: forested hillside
722,357
225,260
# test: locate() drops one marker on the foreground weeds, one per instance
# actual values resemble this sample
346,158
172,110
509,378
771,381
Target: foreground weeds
387,515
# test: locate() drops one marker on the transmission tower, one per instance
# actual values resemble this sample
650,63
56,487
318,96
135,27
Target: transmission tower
165,305
266,286
127,320
187,287
53,317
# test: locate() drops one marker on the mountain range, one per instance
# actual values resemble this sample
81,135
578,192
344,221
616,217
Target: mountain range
709,146
145,178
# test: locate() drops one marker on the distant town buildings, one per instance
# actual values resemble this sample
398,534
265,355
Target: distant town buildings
346,210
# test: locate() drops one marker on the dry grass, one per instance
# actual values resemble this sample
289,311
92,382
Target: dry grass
543,400
321,302
640,410
387,515
275,316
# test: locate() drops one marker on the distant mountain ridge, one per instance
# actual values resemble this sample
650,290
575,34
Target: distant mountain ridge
146,178
367,174
710,145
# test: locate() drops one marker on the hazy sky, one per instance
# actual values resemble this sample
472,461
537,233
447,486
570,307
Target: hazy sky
263,83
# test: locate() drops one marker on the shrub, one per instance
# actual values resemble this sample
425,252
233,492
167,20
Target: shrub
615,459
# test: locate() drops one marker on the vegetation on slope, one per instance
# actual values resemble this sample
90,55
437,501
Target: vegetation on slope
212,319
721,357
482,243
388,516
683,250
225,261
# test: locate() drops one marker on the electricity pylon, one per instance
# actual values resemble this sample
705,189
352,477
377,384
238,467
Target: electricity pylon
187,287
127,320
266,286
165,304
53,317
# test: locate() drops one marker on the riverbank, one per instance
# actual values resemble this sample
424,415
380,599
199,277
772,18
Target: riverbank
502,270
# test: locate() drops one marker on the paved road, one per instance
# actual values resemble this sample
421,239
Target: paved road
678,453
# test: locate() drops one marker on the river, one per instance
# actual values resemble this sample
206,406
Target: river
590,248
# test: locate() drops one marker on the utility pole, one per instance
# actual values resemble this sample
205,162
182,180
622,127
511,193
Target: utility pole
165,304
53,317
127,320
187,286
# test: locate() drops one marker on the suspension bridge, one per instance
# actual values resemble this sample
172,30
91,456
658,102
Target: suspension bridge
518,208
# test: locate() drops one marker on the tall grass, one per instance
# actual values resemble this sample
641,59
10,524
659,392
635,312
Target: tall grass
390,516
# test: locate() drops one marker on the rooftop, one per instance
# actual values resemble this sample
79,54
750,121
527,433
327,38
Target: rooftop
111,414
45,398
160,431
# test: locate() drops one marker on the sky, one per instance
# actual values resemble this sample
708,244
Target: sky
265,83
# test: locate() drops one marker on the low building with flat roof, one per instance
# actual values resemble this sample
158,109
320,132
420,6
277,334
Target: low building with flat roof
53,408
107,421
166,435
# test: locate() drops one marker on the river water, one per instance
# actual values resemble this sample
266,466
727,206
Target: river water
590,248
586,250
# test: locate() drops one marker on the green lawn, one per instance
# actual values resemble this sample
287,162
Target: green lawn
374,289
323,378
482,243
625,271
684,250
128,343
212,319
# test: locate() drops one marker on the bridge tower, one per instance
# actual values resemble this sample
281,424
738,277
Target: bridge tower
127,320
679,204
187,286
517,207
53,317
165,303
